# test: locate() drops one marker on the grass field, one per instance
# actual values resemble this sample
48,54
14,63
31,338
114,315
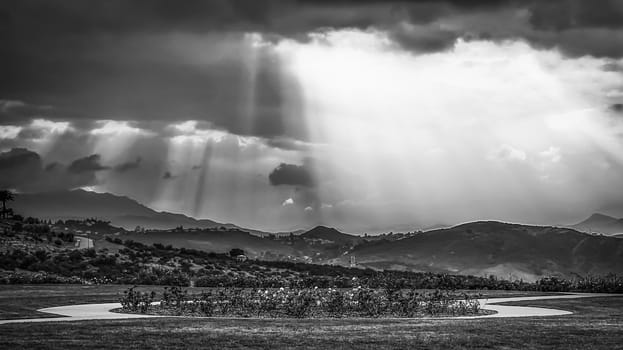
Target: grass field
22,301
597,323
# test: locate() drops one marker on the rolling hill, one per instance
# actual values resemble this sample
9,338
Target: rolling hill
213,240
330,234
478,248
496,248
601,224
119,210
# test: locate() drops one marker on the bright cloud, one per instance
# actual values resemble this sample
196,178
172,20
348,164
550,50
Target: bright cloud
417,132
117,128
9,131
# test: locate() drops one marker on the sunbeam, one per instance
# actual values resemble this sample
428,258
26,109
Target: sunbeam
452,130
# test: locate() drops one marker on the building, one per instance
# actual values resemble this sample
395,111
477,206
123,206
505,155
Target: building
353,261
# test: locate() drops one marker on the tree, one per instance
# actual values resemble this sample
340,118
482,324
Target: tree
5,196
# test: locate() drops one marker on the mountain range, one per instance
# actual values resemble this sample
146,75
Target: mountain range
330,234
119,210
479,248
497,248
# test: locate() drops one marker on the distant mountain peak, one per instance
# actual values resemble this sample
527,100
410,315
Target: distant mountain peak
324,228
600,223
600,216
328,233
597,218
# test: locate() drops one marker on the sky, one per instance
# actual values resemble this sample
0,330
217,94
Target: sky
369,116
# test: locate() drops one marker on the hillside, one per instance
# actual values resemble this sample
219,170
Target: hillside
502,249
330,234
213,240
479,248
120,211
35,252
599,223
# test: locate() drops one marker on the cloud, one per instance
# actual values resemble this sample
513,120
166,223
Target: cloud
567,14
87,164
23,170
103,78
288,144
127,166
222,79
17,110
215,61
19,166
6,105
552,154
509,153
116,128
292,175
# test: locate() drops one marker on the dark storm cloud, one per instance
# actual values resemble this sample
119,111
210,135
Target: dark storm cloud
70,23
158,60
19,111
53,166
291,174
23,170
127,166
568,14
75,17
19,166
87,164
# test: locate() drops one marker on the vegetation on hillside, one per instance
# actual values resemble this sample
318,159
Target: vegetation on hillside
33,253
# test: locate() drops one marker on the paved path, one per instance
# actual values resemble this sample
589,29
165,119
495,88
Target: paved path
102,311
81,312
527,311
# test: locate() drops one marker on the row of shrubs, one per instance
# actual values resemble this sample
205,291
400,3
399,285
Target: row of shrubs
301,303
592,284
39,278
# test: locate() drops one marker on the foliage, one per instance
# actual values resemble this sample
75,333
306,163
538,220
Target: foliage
157,264
136,301
6,196
38,278
311,302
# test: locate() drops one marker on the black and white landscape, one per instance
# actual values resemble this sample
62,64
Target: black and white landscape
311,174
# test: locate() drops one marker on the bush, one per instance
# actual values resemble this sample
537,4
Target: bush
136,301
307,302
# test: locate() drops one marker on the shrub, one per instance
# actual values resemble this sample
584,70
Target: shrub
305,302
136,301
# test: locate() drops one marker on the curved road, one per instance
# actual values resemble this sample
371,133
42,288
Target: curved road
102,311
